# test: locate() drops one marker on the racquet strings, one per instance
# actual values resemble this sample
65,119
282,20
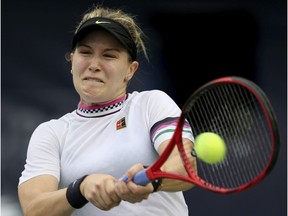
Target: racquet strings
235,113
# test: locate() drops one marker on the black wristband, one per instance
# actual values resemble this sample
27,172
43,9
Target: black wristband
157,184
74,196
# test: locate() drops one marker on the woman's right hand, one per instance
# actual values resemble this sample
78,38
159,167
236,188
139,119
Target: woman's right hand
99,189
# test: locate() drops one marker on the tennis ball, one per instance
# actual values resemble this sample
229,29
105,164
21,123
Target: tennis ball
210,147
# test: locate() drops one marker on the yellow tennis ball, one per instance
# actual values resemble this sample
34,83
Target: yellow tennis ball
210,147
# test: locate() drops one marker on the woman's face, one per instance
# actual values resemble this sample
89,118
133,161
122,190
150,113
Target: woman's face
101,68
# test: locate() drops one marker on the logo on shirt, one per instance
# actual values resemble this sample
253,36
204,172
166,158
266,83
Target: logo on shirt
121,123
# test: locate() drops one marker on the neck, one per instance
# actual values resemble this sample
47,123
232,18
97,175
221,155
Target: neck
100,110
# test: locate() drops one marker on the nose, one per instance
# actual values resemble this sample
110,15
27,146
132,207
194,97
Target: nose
94,66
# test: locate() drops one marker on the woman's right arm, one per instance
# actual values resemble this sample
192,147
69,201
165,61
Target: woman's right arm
40,196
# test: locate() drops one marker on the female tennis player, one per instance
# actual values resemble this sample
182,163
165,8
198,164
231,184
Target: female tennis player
83,163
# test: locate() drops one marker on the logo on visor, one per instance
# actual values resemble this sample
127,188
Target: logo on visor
101,22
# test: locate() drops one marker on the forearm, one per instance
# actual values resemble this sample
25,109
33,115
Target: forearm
49,203
171,185
175,165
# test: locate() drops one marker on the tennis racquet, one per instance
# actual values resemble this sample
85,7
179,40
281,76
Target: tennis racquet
239,111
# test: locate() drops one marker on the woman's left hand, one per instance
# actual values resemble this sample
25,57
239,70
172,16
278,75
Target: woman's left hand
128,190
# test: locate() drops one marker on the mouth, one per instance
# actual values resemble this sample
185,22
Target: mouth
93,79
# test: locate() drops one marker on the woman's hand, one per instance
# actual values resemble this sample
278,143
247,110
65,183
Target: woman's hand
127,190
99,189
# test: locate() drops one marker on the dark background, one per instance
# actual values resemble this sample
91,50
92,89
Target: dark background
201,39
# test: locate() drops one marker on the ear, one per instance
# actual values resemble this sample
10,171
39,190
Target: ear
71,60
71,56
133,67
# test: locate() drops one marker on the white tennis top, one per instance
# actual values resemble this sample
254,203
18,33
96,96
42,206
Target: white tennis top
108,139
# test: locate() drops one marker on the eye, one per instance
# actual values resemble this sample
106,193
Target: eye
86,52
109,55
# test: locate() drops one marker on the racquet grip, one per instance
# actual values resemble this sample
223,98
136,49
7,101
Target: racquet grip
141,178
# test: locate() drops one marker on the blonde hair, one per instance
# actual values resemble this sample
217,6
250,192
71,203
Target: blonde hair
127,20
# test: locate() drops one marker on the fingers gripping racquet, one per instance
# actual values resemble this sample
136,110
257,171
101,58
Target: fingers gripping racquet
240,112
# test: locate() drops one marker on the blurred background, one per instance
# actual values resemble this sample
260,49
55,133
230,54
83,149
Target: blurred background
203,39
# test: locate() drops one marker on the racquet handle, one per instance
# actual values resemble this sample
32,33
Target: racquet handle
141,178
